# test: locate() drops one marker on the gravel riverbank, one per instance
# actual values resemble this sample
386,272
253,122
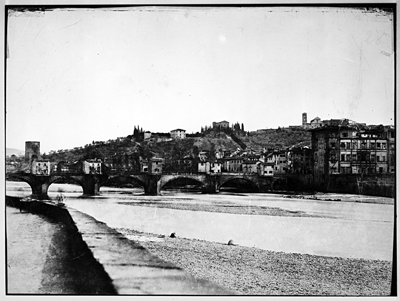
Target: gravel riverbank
252,271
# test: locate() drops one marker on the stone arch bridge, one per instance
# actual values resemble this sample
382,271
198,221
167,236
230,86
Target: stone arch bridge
152,184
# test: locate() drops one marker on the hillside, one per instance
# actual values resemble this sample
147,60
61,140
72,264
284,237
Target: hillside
129,150
276,138
14,151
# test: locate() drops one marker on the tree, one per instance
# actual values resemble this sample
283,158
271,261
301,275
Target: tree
195,151
212,151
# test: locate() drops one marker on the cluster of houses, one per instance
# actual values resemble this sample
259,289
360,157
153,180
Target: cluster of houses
45,167
296,159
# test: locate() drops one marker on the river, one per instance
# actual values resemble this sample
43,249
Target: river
356,227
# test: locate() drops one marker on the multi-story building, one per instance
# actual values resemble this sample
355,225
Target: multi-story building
346,147
280,162
92,166
390,134
250,166
299,160
41,168
178,134
223,124
210,167
265,169
232,164
155,165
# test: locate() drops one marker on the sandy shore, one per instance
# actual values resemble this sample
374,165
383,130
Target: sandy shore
252,271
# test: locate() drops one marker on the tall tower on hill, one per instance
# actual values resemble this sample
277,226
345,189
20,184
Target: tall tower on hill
304,119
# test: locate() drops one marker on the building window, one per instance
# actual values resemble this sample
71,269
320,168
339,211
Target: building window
344,135
348,145
372,157
342,157
383,158
378,145
373,145
342,145
383,145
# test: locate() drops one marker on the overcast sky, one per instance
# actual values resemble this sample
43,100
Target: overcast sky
78,75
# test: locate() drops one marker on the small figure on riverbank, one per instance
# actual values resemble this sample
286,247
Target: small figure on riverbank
172,235
60,200
230,243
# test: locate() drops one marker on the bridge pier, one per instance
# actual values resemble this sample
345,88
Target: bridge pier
39,188
152,185
91,185
211,184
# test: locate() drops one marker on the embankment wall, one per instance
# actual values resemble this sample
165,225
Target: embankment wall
381,185
90,274
106,262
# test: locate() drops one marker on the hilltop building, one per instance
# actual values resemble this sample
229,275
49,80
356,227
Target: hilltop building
147,135
223,124
178,134
314,123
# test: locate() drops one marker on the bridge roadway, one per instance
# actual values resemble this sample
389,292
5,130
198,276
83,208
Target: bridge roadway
152,183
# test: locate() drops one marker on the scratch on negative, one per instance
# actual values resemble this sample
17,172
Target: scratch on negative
72,24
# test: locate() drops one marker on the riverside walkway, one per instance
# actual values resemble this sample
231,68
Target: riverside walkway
59,251
36,259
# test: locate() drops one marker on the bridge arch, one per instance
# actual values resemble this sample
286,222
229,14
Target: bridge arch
240,182
181,180
18,178
24,186
279,184
124,180
65,179
188,178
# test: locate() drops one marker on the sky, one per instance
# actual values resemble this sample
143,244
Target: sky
76,75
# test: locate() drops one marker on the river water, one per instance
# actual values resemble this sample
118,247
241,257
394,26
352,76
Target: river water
356,227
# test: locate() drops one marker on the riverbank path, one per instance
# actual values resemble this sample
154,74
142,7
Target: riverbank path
37,262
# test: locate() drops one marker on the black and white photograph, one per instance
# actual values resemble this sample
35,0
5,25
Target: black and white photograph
200,149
